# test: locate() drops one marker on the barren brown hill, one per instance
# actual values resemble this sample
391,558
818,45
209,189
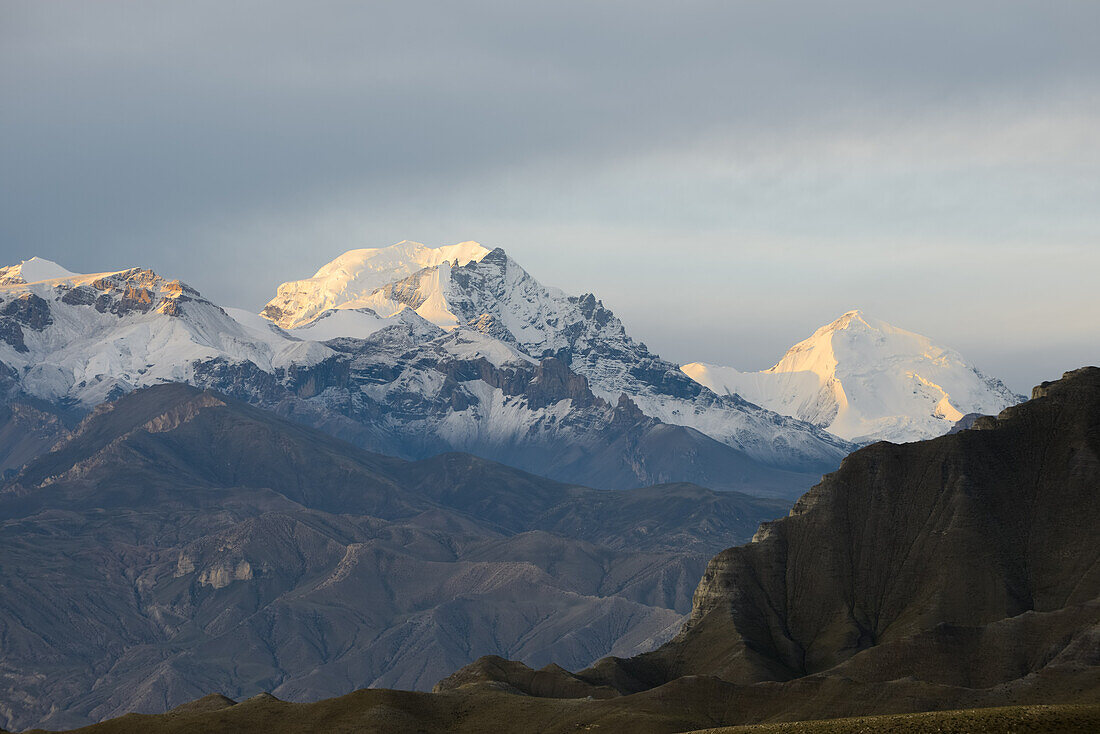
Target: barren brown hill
180,542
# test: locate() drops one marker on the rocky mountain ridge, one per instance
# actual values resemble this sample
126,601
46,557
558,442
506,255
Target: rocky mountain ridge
497,297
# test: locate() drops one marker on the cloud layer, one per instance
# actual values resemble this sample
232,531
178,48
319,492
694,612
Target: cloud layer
726,175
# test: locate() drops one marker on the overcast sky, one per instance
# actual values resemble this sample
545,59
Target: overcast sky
726,176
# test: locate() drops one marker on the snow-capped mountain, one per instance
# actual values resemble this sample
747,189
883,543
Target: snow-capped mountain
493,295
31,271
83,339
866,380
348,281
397,383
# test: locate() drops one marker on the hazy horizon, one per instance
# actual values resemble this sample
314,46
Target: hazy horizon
724,180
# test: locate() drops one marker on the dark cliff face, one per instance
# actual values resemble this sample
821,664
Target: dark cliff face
925,546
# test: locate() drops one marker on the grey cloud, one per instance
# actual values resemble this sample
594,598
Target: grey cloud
168,133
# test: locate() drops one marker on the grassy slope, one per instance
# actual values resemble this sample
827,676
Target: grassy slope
399,711
1048,719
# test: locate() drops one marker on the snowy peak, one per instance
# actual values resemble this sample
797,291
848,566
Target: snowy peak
83,339
350,280
852,339
845,320
854,342
855,321
864,379
35,270
468,289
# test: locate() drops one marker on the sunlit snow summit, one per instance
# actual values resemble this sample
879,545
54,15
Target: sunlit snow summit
865,380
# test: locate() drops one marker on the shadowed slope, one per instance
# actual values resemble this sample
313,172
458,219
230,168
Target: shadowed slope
954,572
181,542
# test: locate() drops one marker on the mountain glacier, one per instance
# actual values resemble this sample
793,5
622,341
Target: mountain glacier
866,380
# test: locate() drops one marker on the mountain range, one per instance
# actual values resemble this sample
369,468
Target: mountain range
957,572
411,351
546,382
